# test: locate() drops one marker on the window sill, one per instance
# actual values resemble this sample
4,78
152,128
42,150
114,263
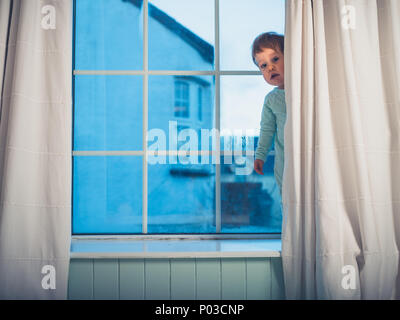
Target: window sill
222,248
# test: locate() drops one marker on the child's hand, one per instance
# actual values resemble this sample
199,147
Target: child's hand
258,166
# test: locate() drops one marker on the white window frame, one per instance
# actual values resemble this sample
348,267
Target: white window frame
217,73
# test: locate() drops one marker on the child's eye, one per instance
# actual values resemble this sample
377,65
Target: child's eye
275,59
263,66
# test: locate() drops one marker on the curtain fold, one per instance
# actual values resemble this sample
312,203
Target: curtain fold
341,184
35,144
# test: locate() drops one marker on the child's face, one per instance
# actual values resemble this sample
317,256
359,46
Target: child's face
270,63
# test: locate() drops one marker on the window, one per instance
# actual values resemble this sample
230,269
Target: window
182,102
166,118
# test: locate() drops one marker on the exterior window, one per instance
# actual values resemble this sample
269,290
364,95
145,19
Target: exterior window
182,101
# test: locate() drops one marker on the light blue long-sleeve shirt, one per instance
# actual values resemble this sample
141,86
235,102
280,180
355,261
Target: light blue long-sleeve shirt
273,120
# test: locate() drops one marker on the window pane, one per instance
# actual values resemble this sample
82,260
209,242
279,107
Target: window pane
181,198
249,202
240,22
108,35
250,206
242,99
107,194
181,34
108,113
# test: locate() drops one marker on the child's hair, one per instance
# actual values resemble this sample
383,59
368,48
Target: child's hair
271,40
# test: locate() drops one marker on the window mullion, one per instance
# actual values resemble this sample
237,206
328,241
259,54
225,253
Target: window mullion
145,112
217,122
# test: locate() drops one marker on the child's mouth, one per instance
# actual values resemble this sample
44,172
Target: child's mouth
274,75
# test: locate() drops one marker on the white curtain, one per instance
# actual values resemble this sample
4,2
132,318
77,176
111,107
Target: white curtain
341,189
35,144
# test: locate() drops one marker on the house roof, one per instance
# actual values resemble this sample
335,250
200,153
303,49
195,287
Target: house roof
205,49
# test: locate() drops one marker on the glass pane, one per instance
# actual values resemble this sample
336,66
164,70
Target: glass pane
181,199
108,113
174,121
240,22
108,35
107,195
181,35
242,99
251,205
249,202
